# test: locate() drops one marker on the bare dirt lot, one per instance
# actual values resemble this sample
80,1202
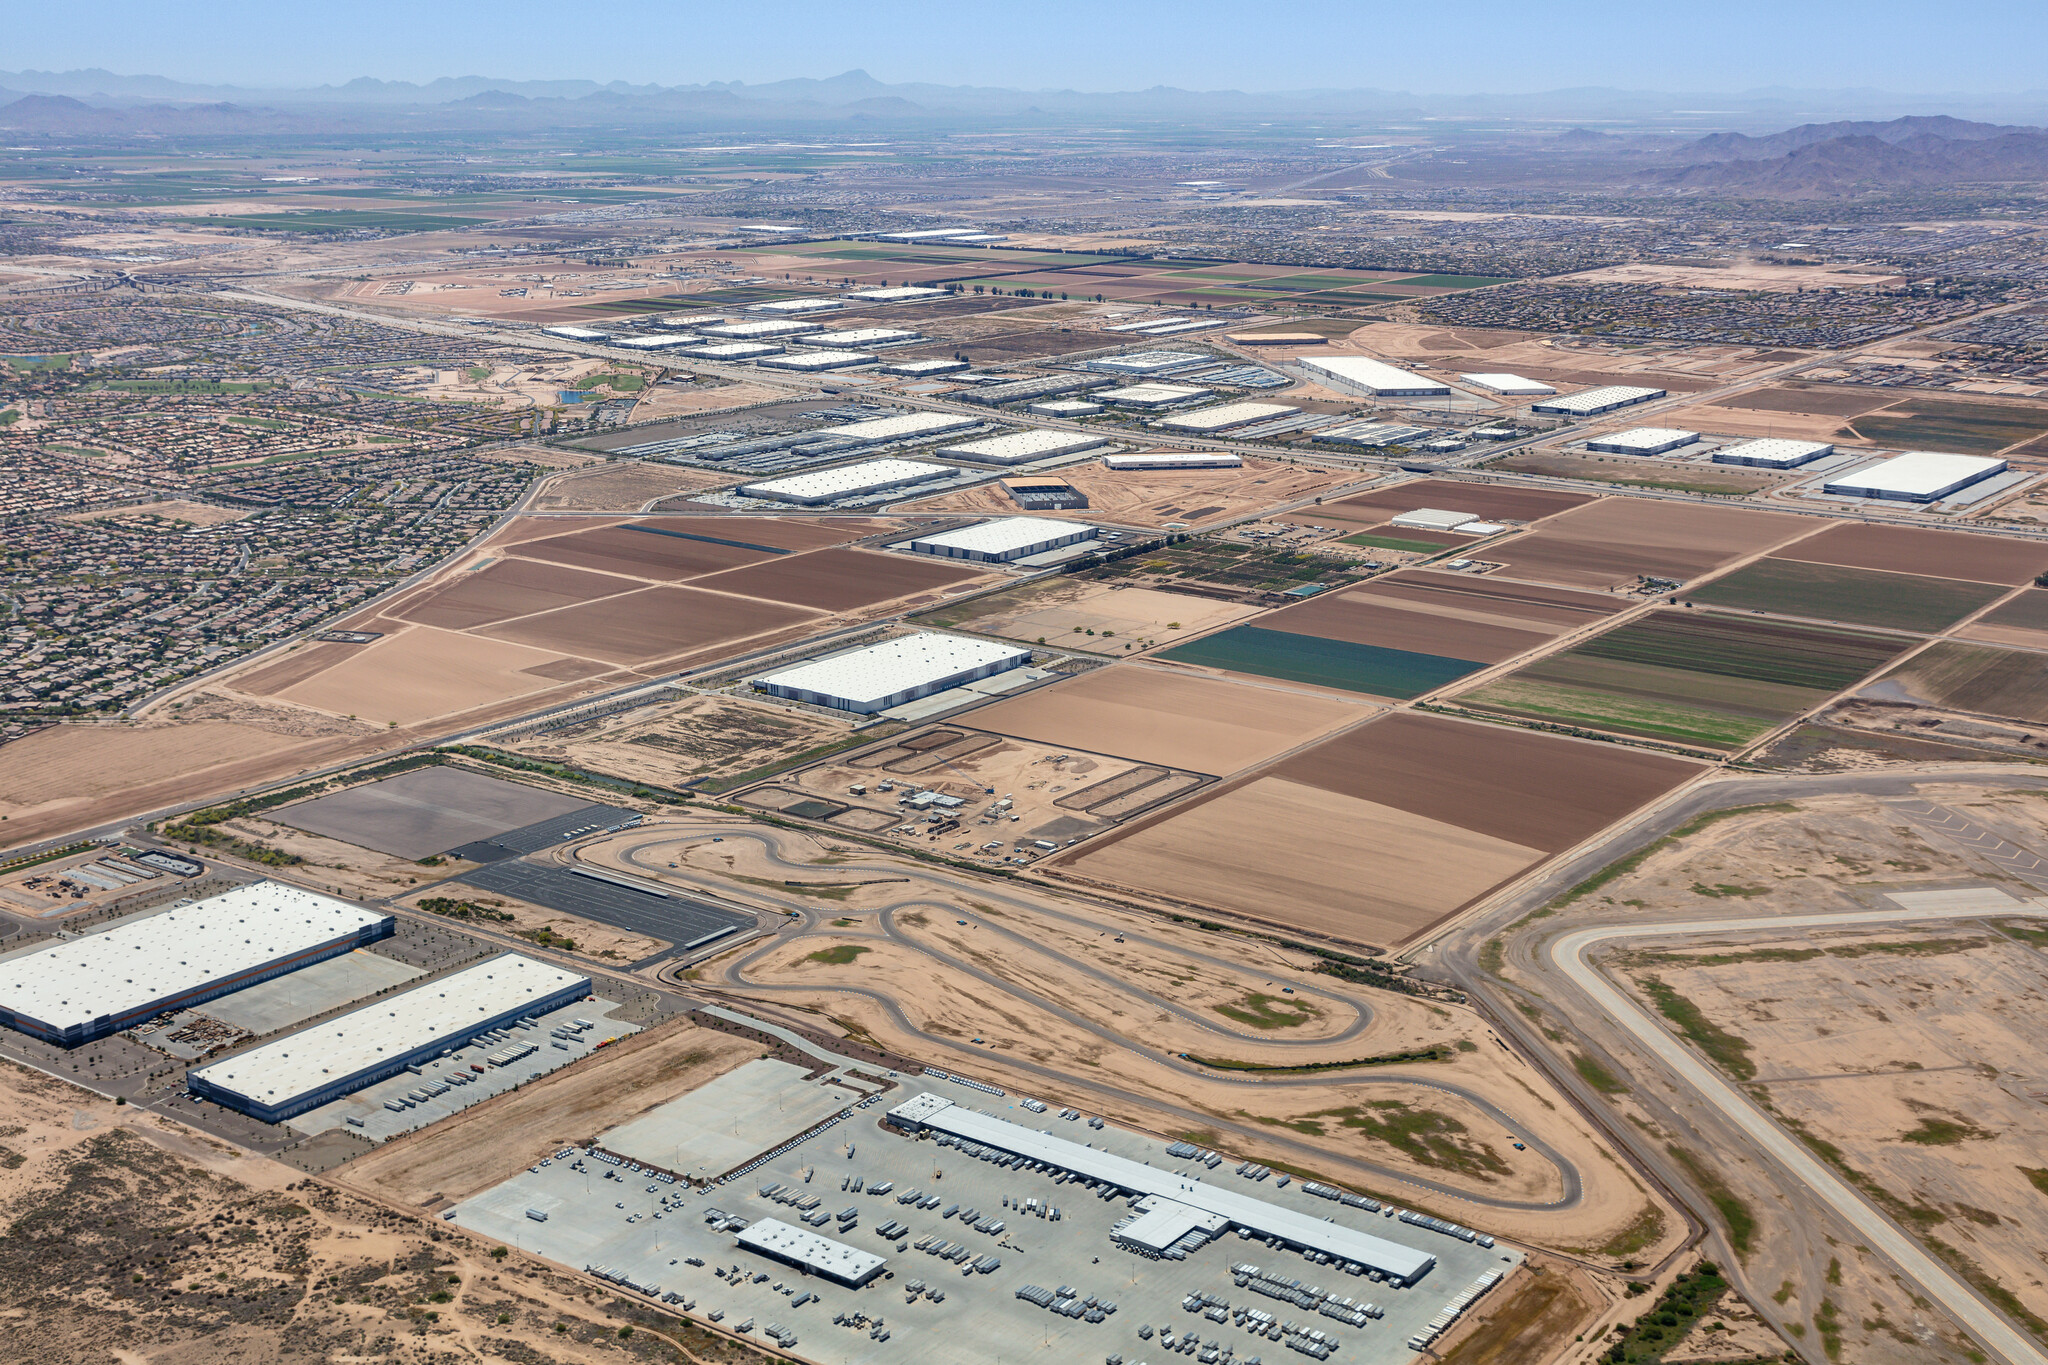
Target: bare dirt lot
648,624
1907,549
422,673
700,737
1494,502
1057,610
840,580
1180,720
555,930
1611,543
511,587
1140,498
621,487
642,550
67,765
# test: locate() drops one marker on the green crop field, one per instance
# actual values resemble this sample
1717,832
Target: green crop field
1379,542
1964,428
1832,592
336,220
1453,281
1395,673
1693,678
1980,678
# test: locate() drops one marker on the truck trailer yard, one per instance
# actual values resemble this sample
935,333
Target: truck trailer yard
984,1251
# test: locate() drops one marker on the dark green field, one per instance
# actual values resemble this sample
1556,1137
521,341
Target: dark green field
1380,542
1394,673
1962,428
1832,592
1692,678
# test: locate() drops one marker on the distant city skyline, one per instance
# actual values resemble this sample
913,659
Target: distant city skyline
1970,50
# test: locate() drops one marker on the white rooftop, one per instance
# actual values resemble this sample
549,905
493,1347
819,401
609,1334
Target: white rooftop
1174,459
1224,416
1244,1210
1375,375
1599,400
655,343
314,1058
902,293
824,485
809,361
1922,474
575,333
1006,535
1014,447
733,350
807,1248
761,330
901,427
791,307
861,336
73,983
1144,362
894,666
1508,384
1644,438
1151,395
1778,451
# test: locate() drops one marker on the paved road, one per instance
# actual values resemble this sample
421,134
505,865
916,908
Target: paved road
1934,1278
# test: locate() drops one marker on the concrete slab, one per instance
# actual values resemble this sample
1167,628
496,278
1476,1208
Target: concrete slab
273,1005
424,812
733,1119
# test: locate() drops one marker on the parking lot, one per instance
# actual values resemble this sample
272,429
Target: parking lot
647,1232
672,917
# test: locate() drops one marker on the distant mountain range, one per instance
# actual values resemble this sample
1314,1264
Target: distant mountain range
464,101
1825,159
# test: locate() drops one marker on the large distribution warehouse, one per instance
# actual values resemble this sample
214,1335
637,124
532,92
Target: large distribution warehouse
1593,402
1004,539
893,672
321,1064
1361,373
1773,452
88,987
1016,447
830,485
1916,476
1224,416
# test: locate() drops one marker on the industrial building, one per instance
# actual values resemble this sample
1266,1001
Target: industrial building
657,343
793,307
1004,539
732,350
1359,374
857,338
924,369
902,426
816,362
889,674
1432,519
1593,402
1022,390
1173,459
902,293
767,329
1773,453
315,1066
574,333
1916,476
1224,416
1063,407
97,984
1212,1209
1510,385
1374,434
686,319
1044,493
1153,395
811,1253
830,485
1643,441
1017,447
1148,362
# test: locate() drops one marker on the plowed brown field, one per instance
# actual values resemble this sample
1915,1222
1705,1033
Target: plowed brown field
648,624
1612,542
1905,549
839,580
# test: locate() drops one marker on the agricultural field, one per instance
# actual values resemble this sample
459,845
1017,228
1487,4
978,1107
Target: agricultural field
1322,662
1629,473
1617,541
1963,428
2022,621
1833,592
1906,549
1494,502
1071,611
1170,718
1382,831
1966,677
1689,678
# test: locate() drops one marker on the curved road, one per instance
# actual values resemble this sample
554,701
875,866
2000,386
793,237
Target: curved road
735,978
1933,1277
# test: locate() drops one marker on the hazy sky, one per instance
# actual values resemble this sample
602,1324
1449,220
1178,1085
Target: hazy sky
1971,46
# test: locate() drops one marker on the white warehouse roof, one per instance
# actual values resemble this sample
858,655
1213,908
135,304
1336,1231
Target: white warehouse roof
1375,376
1773,452
1643,440
1015,447
70,985
1004,538
1174,459
867,676
822,1255
1916,476
810,362
791,307
655,343
857,337
902,427
575,333
1512,384
733,350
829,485
900,294
1589,402
762,330
1224,416
1301,1229
312,1059
1152,395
